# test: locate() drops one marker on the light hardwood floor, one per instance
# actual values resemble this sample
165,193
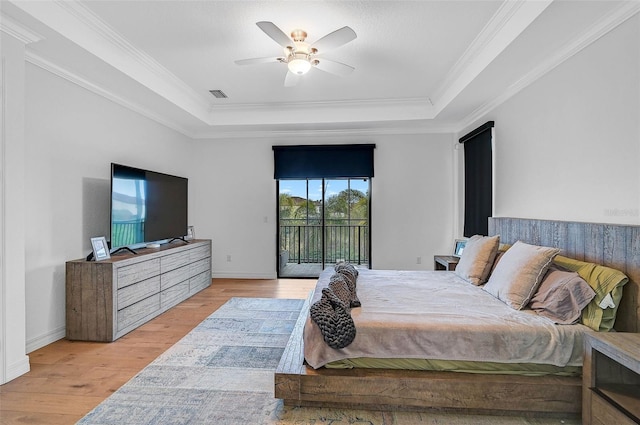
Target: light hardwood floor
69,378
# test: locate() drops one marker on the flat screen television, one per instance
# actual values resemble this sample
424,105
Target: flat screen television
146,207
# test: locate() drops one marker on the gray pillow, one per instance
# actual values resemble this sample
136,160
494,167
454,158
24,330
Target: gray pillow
519,273
561,296
477,258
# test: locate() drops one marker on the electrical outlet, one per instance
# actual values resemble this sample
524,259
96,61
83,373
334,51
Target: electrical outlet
418,260
228,258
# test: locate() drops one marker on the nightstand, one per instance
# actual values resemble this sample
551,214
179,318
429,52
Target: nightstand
445,262
611,379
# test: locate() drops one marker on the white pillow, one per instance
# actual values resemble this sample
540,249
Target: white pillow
477,258
519,273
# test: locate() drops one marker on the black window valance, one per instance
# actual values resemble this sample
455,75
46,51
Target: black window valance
478,176
323,161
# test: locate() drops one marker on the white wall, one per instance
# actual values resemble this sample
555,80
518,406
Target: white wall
568,146
412,200
72,136
235,200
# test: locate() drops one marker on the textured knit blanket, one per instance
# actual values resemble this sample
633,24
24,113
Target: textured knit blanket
332,313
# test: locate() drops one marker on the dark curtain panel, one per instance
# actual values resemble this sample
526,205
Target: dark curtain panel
323,161
478,173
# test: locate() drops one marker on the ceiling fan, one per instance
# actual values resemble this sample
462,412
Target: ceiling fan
301,56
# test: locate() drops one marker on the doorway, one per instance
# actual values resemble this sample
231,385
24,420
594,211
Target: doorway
321,222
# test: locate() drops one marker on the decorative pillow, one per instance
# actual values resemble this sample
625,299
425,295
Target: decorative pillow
477,258
499,255
519,273
561,296
604,281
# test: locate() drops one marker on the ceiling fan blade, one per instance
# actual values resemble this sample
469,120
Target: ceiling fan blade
275,33
333,67
335,39
291,79
255,61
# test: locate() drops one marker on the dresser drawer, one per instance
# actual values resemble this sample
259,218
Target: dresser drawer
199,282
174,261
175,276
138,291
199,253
137,272
138,311
174,295
602,412
200,266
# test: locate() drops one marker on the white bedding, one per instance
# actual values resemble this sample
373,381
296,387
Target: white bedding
438,315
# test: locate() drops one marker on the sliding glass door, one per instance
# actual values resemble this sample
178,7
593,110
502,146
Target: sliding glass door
321,222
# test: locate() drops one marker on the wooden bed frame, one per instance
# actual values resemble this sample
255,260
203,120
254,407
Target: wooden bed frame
616,246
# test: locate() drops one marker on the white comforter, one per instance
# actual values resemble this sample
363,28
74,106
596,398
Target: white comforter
438,315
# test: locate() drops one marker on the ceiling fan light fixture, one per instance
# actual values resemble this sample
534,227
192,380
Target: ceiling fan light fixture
299,65
299,55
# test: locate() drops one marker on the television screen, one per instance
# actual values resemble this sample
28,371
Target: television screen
146,206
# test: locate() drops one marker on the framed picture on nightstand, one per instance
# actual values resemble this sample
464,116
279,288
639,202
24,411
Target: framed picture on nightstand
458,247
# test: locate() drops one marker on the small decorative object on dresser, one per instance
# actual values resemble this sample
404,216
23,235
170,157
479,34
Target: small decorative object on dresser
611,379
100,248
191,233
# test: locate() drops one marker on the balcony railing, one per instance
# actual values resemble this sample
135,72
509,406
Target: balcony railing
303,242
127,232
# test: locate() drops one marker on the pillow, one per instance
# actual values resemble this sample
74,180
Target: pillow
604,281
499,255
519,273
477,258
561,296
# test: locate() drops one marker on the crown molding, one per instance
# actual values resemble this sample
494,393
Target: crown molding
79,24
509,21
420,102
297,134
323,112
18,31
78,80
606,24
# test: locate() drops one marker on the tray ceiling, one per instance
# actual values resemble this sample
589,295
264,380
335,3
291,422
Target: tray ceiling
419,65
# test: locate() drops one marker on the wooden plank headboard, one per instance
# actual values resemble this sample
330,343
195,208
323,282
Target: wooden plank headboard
612,245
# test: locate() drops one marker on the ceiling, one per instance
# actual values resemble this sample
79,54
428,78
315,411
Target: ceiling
419,65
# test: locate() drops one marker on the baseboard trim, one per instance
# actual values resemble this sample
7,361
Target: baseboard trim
45,339
17,369
244,275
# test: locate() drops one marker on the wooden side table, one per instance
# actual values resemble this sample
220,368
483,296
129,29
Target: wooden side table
445,262
611,379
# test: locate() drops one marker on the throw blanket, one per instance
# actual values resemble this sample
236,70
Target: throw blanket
438,315
332,313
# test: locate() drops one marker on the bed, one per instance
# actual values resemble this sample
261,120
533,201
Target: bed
616,246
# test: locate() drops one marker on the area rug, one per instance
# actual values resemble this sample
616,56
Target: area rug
221,373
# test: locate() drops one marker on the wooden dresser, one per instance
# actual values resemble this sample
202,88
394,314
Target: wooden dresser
109,298
611,379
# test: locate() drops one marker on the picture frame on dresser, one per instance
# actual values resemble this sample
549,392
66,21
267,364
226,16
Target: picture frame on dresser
191,233
100,248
